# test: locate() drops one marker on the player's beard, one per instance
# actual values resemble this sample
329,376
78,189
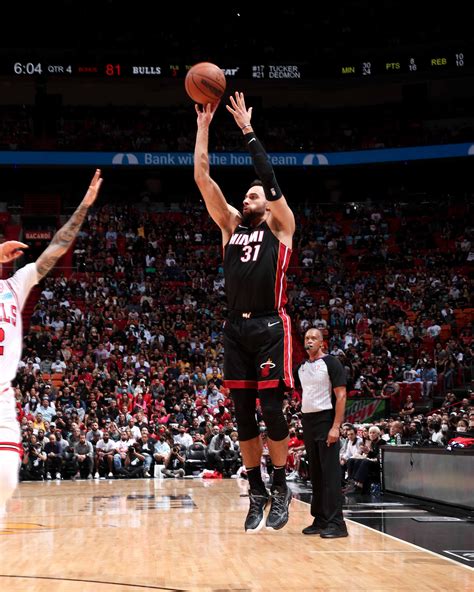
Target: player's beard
249,217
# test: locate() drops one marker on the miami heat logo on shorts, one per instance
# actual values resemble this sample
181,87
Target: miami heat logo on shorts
265,368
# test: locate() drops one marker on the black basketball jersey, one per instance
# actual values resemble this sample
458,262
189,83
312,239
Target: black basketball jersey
255,264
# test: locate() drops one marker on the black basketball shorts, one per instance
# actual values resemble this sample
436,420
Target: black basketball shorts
258,351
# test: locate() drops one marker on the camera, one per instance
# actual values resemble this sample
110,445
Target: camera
131,449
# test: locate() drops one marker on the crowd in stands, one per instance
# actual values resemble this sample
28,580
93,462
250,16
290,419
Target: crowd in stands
123,362
302,129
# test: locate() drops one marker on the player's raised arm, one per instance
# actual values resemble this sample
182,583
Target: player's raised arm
223,214
283,219
65,236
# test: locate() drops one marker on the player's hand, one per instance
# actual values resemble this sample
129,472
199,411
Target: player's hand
93,190
11,250
333,436
205,113
241,114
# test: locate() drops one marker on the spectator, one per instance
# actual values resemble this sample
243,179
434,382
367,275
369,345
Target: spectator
162,450
182,438
396,430
362,467
84,454
174,466
146,447
104,455
408,407
215,448
52,450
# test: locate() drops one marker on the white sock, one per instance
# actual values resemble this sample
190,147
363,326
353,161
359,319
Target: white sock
9,465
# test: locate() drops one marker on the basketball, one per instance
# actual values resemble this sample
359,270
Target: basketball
205,83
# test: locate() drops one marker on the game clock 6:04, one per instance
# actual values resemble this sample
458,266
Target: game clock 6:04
36,68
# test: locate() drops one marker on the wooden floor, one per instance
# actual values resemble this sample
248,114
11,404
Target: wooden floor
111,536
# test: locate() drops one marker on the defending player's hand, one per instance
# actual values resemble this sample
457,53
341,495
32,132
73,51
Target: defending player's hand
11,250
205,113
93,190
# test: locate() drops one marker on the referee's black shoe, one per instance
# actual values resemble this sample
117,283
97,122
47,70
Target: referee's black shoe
334,532
313,528
255,516
279,510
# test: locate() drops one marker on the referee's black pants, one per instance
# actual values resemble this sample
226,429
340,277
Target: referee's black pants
324,469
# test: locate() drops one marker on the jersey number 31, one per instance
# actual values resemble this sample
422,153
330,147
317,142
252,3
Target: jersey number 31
247,256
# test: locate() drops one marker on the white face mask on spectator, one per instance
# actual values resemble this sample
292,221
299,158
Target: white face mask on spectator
461,429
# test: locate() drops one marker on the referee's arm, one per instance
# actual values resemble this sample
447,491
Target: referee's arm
333,434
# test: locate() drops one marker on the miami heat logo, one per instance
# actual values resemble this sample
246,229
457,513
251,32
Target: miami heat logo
266,367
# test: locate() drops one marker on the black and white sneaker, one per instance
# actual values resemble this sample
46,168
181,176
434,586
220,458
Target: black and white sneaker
279,510
255,516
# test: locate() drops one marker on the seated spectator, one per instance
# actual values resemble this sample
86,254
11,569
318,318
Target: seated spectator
366,464
182,438
162,450
33,461
390,388
121,451
104,455
437,436
47,409
146,448
216,446
84,455
230,459
409,374
396,429
52,450
350,448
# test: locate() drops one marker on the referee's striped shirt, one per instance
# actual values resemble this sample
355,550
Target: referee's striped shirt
317,380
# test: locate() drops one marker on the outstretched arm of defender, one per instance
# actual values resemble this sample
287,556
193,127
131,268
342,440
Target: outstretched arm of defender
223,214
65,236
279,208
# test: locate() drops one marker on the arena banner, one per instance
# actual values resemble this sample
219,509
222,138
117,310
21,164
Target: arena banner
365,410
235,159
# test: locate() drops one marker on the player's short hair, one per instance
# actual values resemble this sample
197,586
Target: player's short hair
256,183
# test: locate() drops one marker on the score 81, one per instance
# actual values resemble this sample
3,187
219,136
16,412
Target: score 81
113,70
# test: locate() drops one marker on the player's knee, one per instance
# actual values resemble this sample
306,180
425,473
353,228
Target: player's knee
244,406
273,416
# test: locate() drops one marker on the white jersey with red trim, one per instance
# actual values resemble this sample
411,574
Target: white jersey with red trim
13,294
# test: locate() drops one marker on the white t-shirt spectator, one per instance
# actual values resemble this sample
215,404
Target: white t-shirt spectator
106,446
185,439
58,366
433,330
47,293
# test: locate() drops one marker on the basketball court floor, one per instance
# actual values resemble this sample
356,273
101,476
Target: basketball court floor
127,535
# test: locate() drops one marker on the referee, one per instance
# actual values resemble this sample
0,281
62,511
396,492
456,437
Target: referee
323,382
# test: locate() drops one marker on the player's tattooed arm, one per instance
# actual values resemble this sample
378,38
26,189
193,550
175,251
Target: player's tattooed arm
66,235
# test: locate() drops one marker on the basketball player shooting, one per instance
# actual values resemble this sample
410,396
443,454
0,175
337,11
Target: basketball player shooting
13,294
257,246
